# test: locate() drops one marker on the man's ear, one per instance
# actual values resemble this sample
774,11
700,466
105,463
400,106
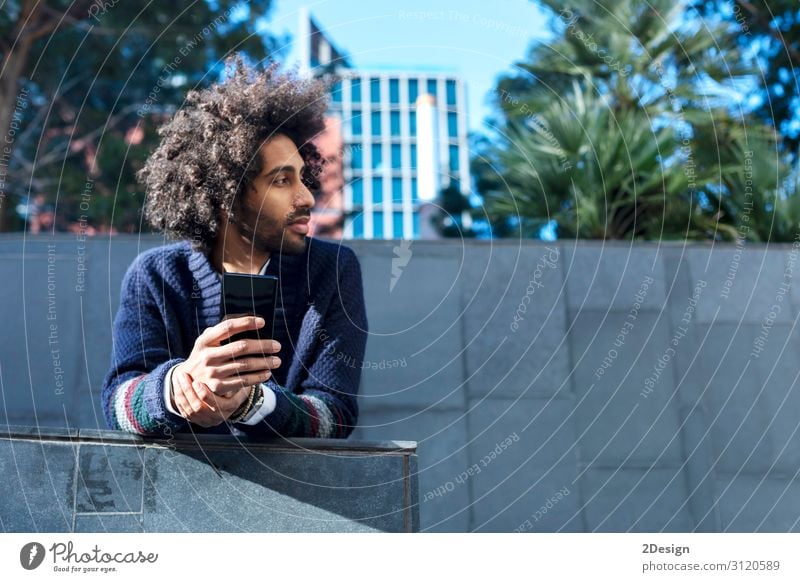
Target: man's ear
226,217
229,214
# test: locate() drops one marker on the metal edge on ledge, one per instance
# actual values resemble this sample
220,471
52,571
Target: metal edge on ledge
192,441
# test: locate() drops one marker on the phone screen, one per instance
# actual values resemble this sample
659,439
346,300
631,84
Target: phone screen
250,295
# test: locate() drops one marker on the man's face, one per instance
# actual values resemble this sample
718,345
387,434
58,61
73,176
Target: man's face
274,215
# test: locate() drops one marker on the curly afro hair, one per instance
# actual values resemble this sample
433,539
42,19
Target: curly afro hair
208,155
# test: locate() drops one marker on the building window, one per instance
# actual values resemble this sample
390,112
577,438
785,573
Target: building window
396,157
377,190
377,224
375,90
336,92
394,123
356,158
377,156
397,224
358,192
415,224
358,225
356,122
397,190
394,91
413,90
451,92
432,87
355,90
453,151
413,156
414,193
376,123
412,123
452,124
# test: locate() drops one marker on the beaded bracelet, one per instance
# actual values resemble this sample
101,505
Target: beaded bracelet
258,402
240,412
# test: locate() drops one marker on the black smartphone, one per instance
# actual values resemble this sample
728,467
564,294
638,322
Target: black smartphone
250,295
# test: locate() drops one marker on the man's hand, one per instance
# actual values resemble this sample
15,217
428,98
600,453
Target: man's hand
197,404
225,370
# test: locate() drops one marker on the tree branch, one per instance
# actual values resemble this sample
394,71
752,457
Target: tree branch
57,152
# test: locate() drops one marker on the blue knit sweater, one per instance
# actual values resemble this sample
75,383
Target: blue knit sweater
172,293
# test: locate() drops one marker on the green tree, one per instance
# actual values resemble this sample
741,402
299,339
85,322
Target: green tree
625,126
449,220
84,84
774,27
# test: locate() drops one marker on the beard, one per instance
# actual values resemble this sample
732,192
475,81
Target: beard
268,234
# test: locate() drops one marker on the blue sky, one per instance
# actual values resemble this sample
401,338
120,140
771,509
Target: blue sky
476,40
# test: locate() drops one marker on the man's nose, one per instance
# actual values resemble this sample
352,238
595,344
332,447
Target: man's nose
306,198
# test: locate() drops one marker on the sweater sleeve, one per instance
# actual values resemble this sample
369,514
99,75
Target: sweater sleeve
326,406
132,395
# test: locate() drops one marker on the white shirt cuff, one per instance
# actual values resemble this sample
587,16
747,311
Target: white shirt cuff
167,389
267,406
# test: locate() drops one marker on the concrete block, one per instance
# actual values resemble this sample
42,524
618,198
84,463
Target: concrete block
779,375
697,468
606,277
730,391
524,455
636,500
42,366
515,322
742,284
756,503
413,353
625,412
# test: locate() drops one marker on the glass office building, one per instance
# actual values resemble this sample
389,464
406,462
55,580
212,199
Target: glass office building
403,139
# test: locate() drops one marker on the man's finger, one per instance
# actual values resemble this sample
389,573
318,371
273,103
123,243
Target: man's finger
240,349
230,327
206,397
235,382
225,405
204,393
247,366
180,399
189,394
210,415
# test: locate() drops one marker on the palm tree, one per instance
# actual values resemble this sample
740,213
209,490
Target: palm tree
624,126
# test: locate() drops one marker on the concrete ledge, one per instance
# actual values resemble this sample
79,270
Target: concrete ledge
60,480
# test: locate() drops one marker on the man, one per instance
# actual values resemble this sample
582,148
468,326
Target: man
231,177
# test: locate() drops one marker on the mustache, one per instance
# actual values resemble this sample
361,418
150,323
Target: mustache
295,217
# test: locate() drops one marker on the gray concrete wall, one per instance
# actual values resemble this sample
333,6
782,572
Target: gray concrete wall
550,388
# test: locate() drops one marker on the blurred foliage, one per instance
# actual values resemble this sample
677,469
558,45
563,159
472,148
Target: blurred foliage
95,79
452,206
627,125
772,27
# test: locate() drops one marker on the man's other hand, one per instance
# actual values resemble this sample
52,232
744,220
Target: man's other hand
226,369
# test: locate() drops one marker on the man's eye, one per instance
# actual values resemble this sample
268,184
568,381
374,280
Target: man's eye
280,181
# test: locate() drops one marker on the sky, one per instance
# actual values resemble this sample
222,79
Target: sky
476,40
